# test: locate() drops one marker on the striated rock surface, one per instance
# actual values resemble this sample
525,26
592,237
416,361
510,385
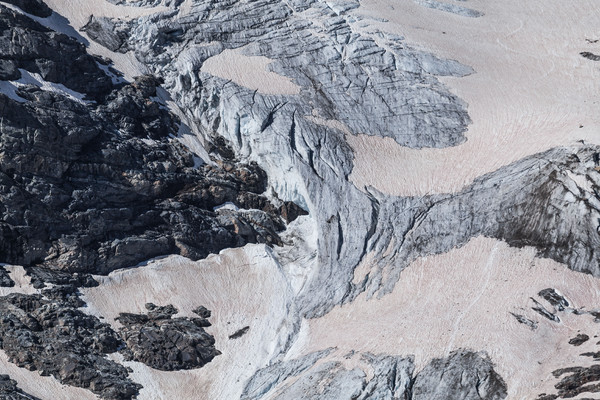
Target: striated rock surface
462,375
167,343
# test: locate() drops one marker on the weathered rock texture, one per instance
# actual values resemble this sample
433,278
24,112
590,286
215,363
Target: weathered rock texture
34,7
463,375
5,280
91,187
93,179
10,391
28,45
55,338
167,343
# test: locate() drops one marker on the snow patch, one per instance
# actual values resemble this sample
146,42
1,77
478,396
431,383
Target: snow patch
544,95
22,281
116,79
242,287
249,71
226,206
30,78
10,90
464,299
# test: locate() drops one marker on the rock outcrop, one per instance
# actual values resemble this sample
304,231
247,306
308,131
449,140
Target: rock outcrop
10,391
91,187
5,280
463,375
51,335
167,343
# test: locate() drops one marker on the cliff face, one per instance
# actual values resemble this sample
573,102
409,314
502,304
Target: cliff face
236,133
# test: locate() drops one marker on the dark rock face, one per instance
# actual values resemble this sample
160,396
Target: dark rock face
5,280
106,32
34,7
26,44
579,339
239,333
590,56
10,391
558,301
55,338
577,380
167,343
462,376
40,276
91,187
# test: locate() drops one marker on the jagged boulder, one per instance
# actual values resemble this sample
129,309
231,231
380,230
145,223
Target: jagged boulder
167,343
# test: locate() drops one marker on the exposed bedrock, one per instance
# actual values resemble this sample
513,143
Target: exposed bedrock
25,44
94,186
52,336
5,279
34,7
463,375
167,343
10,391
352,79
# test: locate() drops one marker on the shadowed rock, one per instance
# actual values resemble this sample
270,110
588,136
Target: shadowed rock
10,391
5,280
167,343
55,338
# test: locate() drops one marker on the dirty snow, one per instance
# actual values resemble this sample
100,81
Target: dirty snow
249,71
531,89
242,287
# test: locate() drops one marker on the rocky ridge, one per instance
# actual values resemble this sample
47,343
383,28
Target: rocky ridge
464,374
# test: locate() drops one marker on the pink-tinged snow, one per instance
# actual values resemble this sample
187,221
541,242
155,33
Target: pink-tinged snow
242,287
249,71
531,89
464,299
